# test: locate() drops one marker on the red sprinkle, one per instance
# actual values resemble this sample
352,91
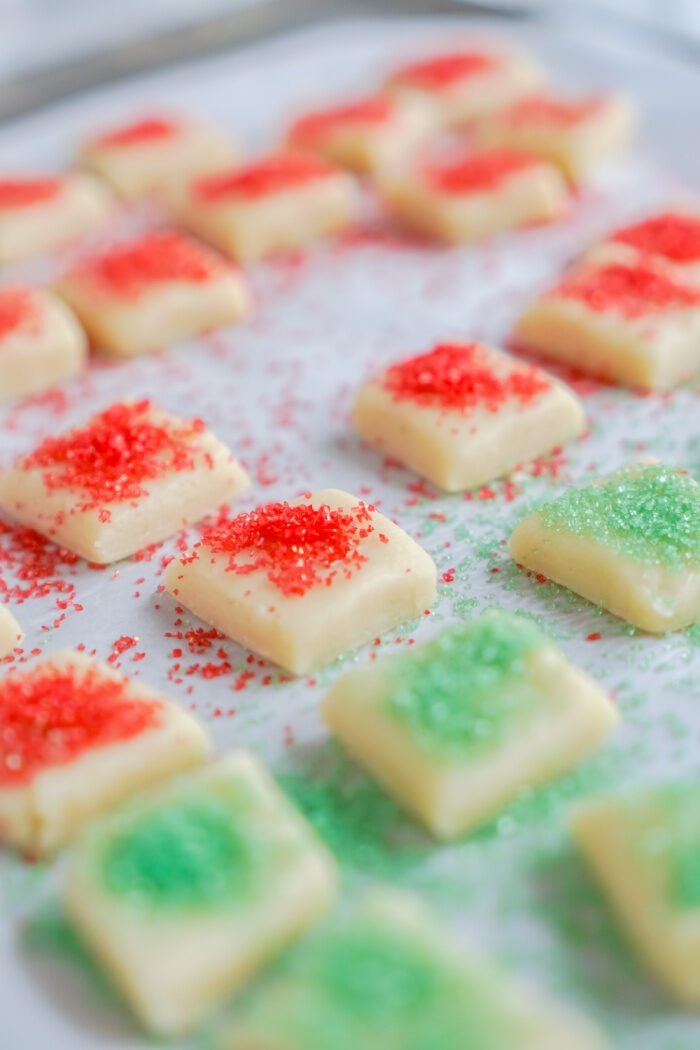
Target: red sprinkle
632,290
459,377
111,457
127,270
538,109
18,308
272,175
150,129
297,546
478,171
51,716
23,193
316,125
673,235
445,70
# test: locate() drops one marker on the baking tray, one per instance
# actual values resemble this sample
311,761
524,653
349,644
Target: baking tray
278,391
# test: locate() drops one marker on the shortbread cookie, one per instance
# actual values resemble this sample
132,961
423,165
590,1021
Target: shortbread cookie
129,477
302,583
669,239
463,414
275,204
159,289
629,542
185,894
41,342
155,153
75,739
10,632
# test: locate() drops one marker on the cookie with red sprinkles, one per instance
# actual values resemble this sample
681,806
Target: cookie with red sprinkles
463,414
300,583
670,239
75,739
130,476
41,342
145,294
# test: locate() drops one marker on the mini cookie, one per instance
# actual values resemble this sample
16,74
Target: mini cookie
185,894
389,977
41,342
40,214
644,850
10,633
466,84
457,728
275,204
670,240
629,542
463,414
162,288
577,136
629,323
155,153
75,739
129,477
475,196
301,583
366,136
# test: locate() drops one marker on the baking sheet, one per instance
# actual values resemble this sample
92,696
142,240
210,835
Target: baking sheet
278,391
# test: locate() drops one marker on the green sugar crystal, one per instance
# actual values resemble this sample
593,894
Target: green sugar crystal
650,514
189,854
461,691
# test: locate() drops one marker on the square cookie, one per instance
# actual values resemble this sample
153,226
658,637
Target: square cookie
457,728
388,978
475,196
463,414
629,542
129,477
368,135
75,739
274,204
466,84
10,632
302,583
154,153
669,239
185,894
162,288
629,323
644,850
41,342
577,136
40,214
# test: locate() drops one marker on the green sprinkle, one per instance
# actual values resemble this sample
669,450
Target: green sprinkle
190,854
650,514
461,691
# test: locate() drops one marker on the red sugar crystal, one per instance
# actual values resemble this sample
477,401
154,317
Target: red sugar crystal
478,171
316,125
445,70
673,235
459,377
538,109
150,129
114,454
296,546
630,290
51,716
22,193
127,270
272,175
17,307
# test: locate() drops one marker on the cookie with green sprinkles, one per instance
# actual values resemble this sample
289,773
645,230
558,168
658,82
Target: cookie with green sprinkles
185,894
644,850
629,542
457,728
389,979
